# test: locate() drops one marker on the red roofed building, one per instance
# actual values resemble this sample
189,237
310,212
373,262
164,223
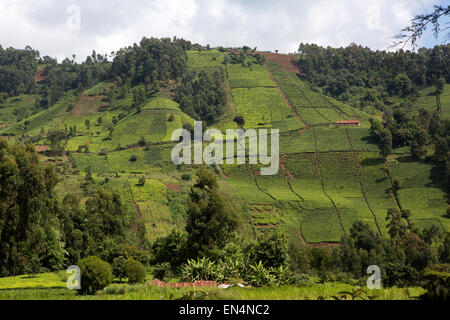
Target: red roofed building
349,123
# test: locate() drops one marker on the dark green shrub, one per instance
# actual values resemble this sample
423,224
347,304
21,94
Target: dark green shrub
96,274
118,267
163,271
126,251
271,249
142,142
186,177
239,120
170,248
437,283
135,271
301,280
400,275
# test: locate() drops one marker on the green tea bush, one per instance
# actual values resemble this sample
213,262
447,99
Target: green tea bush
118,267
162,271
301,280
186,177
135,271
437,283
96,274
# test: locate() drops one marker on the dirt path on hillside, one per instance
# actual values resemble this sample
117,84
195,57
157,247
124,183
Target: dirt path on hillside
301,234
309,100
258,186
355,166
223,172
394,193
323,185
136,205
324,244
285,98
339,110
283,167
39,76
288,177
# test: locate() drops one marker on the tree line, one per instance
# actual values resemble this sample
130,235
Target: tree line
39,232
149,61
361,76
202,95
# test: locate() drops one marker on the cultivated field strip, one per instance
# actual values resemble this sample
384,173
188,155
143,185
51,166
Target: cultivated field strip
307,99
257,184
287,177
285,98
314,108
322,182
355,165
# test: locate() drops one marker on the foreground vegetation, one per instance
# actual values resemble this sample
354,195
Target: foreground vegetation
52,286
106,196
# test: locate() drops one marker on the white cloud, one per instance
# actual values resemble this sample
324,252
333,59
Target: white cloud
269,25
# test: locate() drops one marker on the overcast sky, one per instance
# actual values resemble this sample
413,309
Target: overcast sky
60,28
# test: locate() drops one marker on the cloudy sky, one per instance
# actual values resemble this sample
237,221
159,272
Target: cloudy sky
60,28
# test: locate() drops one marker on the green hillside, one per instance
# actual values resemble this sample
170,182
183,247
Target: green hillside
427,100
329,178
87,170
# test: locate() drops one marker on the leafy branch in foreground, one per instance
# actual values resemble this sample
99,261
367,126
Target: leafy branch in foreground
419,25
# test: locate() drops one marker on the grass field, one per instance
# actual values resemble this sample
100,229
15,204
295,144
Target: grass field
264,107
45,119
51,286
427,101
297,197
421,193
16,109
204,59
246,77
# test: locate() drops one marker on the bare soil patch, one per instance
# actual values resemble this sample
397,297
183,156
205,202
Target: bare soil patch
288,62
174,187
324,244
39,77
41,148
88,105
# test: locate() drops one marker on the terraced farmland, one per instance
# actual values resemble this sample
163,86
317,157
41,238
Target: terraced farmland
248,77
264,107
329,177
313,107
333,175
427,101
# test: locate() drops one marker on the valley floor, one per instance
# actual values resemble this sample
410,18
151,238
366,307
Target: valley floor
51,286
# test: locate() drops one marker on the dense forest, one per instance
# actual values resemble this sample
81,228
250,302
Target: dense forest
359,75
17,70
39,231
202,96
